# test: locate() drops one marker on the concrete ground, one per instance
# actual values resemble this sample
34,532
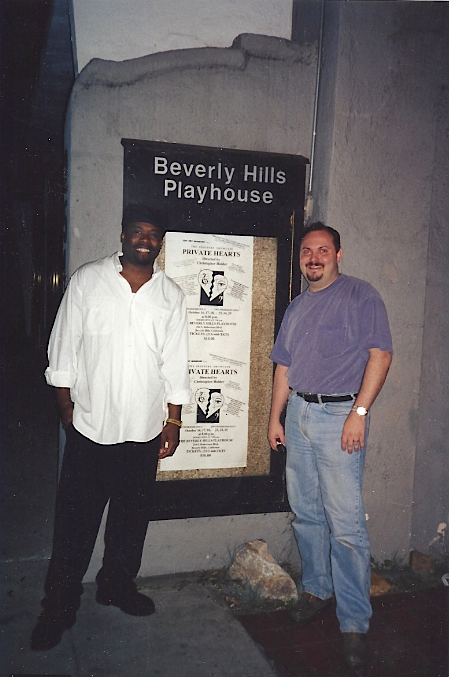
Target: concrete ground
192,634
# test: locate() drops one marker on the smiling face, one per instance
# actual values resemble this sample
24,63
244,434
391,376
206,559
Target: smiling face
319,260
141,243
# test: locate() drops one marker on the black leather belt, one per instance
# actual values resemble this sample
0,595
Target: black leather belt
317,399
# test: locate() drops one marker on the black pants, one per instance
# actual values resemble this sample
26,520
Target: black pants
91,475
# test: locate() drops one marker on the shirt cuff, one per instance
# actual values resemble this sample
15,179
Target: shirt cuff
180,397
59,379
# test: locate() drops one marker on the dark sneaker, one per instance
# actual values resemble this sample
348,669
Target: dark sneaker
308,607
131,602
355,649
49,629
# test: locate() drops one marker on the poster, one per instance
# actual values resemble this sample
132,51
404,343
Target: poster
215,272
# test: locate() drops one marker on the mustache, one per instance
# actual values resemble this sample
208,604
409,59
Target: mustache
312,263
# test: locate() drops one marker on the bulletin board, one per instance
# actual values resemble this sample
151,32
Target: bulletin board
234,218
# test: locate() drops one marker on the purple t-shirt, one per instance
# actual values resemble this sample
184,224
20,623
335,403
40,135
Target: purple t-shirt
325,336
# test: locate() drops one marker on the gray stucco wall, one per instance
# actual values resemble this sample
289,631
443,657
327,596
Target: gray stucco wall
381,181
431,486
257,95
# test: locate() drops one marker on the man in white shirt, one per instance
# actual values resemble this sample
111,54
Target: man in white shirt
118,359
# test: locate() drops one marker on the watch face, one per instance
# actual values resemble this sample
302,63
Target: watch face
361,411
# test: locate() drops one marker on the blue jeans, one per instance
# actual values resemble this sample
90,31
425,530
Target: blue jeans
324,486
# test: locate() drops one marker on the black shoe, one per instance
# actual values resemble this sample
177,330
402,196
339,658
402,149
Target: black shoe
49,630
308,607
355,649
130,602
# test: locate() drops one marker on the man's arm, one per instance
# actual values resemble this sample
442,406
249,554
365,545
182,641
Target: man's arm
65,406
170,432
376,370
175,369
281,392
64,344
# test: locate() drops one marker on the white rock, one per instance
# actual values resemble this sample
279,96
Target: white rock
256,567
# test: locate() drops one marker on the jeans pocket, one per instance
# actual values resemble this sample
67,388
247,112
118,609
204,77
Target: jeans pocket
338,408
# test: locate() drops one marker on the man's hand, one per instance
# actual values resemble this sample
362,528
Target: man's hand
376,370
276,435
353,436
170,432
65,406
281,392
169,440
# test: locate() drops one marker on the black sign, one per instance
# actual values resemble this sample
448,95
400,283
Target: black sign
215,190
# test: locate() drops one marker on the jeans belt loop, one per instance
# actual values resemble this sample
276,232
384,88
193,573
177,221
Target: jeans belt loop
319,398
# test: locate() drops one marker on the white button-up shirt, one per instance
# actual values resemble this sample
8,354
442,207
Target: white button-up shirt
123,355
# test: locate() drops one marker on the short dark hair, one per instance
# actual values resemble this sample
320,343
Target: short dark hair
143,213
319,225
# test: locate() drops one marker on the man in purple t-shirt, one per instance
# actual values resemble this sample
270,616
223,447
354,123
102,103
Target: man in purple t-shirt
333,352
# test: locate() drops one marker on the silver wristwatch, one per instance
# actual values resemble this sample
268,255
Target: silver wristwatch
361,411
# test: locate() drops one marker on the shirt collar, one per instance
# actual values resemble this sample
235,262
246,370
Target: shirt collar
118,266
